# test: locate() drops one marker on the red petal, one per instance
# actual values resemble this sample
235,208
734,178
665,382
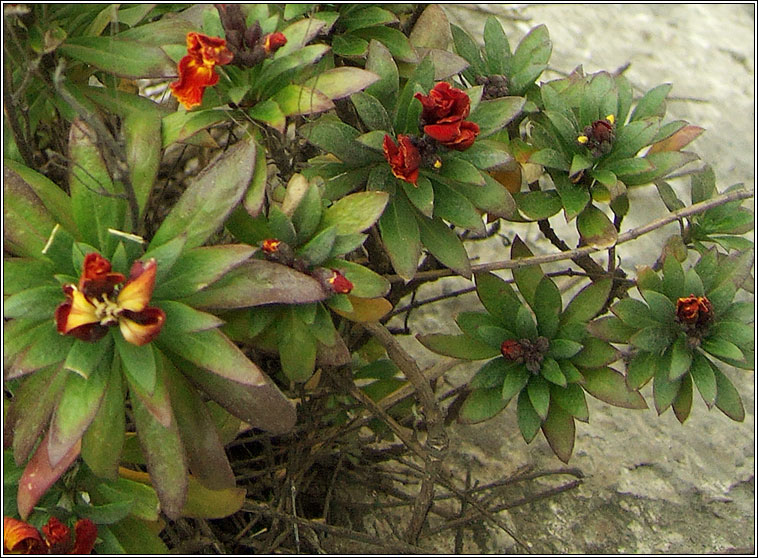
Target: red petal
443,133
194,77
86,535
21,538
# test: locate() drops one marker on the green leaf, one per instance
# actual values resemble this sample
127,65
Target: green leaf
296,100
740,334
460,170
143,153
551,371
299,34
129,59
451,205
181,126
661,307
529,421
269,112
355,213
444,245
668,196
703,185
563,348
599,99
633,137
559,430
497,296
524,325
493,115
571,399
588,302
211,196
490,375
50,194
571,372
84,357
493,198
652,103
547,307
366,283
76,409
401,237
181,319
258,282
397,43
297,349
37,303
641,369
574,197
653,339
342,81
318,249
551,158
339,139
138,363
421,195
704,378
530,59
164,452
44,346
664,163
721,348
610,328
467,48
664,390
596,353
367,17
595,228
727,397
496,47
608,385
458,346
516,379
538,205
681,358
673,278
379,60
104,439
95,210
371,111
527,277
634,313
683,402
21,274
481,404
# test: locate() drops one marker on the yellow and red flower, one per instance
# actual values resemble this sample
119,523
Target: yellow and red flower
21,538
197,69
92,307
273,42
339,283
404,158
694,310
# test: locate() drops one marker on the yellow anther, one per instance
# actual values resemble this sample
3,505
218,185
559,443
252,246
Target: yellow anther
582,139
437,164
610,118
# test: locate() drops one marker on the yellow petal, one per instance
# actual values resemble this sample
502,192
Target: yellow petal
82,312
139,334
139,288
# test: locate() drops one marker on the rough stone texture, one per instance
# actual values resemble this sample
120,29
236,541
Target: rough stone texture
652,485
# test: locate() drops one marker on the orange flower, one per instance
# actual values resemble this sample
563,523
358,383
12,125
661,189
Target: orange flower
271,245
273,42
404,158
21,538
90,310
694,310
339,283
197,68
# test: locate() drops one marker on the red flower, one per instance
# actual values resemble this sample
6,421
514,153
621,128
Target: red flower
270,245
273,42
339,283
197,68
90,310
21,538
453,133
404,158
694,310
444,101
598,137
512,350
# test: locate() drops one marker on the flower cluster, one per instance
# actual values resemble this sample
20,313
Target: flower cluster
21,538
197,69
95,305
443,119
694,311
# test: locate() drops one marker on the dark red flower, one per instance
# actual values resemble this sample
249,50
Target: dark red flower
339,283
197,68
57,536
453,133
598,137
85,535
444,101
273,42
21,538
404,158
694,310
512,350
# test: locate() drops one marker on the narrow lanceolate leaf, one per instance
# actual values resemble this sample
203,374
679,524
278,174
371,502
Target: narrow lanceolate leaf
609,385
138,362
401,237
75,411
261,406
38,476
210,197
683,402
27,222
104,439
129,59
93,195
559,431
458,346
162,447
482,404
727,397
143,153
84,358
258,282
444,245
205,455
529,421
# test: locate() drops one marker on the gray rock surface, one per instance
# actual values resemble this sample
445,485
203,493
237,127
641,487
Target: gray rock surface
652,485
